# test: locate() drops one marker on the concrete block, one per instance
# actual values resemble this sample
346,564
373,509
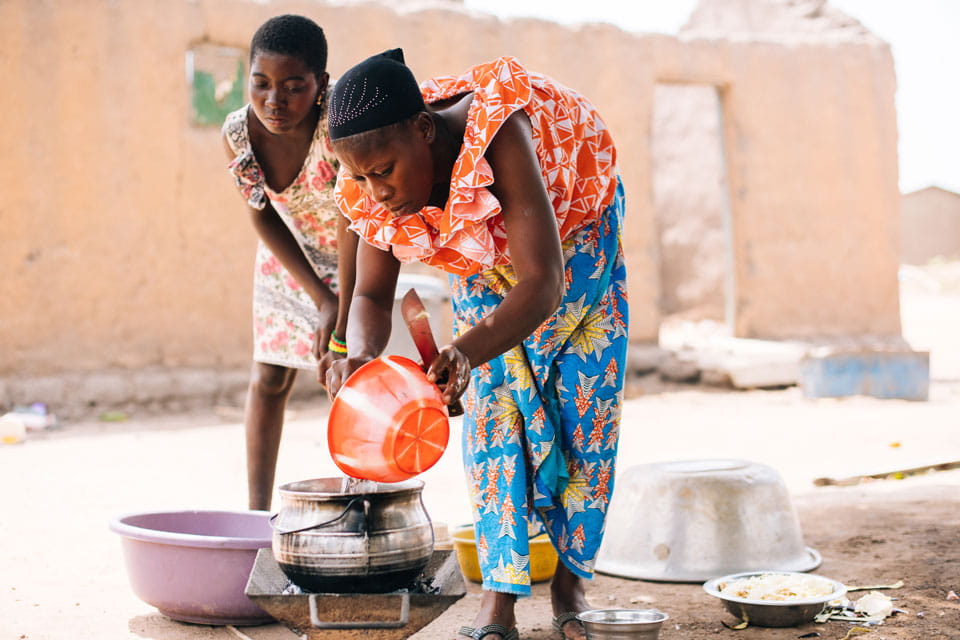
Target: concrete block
901,375
680,368
644,358
194,384
152,385
715,378
749,363
54,391
752,372
233,381
103,389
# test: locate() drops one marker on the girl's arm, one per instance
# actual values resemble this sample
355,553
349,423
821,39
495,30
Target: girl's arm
346,270
370,313
275,234
346,277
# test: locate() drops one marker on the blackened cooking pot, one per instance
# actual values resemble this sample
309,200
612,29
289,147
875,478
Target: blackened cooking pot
370,541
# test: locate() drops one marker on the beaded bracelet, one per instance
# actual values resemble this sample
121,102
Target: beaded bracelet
336,347
335,340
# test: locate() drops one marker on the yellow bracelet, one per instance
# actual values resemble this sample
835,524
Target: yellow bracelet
334,339
337,348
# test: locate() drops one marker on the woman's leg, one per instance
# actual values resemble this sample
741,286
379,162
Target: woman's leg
496,608
267,395
567,596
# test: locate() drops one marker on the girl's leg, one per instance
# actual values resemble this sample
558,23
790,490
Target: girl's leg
267,395
567,596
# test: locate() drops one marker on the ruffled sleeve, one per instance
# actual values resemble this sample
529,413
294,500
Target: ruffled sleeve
468,235
247,173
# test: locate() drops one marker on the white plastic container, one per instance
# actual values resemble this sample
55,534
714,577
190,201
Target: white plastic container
12,429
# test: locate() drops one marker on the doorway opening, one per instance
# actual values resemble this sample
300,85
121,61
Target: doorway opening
692,209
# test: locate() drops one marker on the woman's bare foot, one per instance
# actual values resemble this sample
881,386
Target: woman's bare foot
567,596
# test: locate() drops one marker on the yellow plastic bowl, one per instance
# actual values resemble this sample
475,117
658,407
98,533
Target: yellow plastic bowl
543,557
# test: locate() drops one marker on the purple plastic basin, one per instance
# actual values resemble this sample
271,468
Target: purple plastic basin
193,566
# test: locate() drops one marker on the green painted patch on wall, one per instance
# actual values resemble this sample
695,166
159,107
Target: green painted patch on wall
212,101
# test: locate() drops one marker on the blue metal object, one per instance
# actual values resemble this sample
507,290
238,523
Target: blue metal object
903,375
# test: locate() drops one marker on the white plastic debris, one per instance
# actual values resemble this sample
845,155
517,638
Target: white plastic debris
35,416
874,605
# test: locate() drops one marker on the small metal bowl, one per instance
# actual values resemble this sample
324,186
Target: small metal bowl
622,624
773,613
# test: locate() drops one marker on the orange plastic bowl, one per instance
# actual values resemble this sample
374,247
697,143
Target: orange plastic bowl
387,422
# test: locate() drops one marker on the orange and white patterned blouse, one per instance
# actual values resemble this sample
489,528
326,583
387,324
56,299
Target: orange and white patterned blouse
577,162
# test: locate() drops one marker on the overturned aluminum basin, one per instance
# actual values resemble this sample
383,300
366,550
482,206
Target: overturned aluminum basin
692,520
348,616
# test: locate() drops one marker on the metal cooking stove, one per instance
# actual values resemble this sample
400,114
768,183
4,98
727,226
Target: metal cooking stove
378,616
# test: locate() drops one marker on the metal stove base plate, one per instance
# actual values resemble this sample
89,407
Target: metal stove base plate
378,616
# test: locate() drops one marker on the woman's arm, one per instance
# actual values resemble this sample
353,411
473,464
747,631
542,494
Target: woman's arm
533,240
535,253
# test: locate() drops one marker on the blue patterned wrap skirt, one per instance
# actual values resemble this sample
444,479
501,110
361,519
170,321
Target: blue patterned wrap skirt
542,420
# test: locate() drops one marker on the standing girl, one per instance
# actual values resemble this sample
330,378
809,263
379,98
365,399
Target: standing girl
283,165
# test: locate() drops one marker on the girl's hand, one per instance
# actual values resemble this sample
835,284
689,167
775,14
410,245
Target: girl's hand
324,364
338,371
450,370
326,322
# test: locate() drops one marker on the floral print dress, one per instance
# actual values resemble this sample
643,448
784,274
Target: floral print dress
541,426
284,316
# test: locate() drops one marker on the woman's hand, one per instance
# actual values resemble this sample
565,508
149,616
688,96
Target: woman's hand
338,371
450,370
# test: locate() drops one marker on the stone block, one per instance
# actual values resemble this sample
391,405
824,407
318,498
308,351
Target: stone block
236,381
901,375
54,391
679,368
750,363
194,384
644,358
152,385
102,389
744,371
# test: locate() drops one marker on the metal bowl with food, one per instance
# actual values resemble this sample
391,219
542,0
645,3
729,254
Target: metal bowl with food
775,598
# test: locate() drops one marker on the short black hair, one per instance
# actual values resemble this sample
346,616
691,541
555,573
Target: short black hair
292,35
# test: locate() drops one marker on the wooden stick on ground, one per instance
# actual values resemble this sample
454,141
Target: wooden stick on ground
886,475
240,634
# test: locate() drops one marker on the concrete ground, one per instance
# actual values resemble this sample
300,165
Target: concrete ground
62,574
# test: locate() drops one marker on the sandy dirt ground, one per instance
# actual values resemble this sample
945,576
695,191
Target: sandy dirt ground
62,573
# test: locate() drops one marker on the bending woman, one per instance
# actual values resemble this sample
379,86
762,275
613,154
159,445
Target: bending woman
507,181
283,165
